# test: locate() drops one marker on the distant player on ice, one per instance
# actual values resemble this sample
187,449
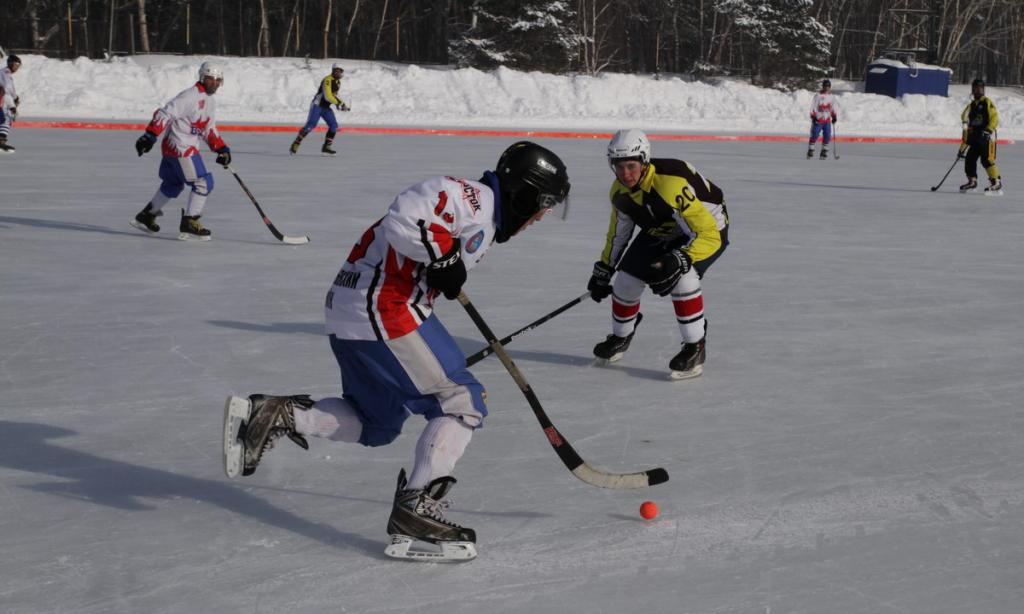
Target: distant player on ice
187,119
824,114
684,228
8,101
326,95
980,120
395,356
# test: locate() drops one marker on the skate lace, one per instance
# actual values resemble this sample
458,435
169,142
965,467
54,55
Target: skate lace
435,510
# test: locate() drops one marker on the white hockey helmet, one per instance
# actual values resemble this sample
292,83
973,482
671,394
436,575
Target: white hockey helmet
337,66
629,145
210,69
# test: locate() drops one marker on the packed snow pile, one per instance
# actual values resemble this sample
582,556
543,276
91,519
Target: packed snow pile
279,90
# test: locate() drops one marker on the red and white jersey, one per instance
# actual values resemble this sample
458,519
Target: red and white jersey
188,119
381,290
824,108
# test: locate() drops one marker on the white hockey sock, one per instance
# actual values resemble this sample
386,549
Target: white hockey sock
688,302
440,445
196,202
330,417
159,200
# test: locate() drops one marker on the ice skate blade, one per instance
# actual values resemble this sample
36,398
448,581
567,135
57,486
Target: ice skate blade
993,192
448,552
7,151
236,412
681,375
604,362
141,227
187,236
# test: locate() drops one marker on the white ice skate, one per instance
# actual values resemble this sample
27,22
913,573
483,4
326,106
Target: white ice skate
236,412
443,552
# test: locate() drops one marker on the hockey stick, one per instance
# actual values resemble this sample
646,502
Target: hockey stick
565,451
955,162
487,351
835,143
273,229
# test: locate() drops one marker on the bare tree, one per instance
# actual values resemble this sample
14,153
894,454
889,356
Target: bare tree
143,26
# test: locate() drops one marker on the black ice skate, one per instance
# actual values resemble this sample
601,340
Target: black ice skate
327,150
613,347
294,148
824,153
689,362
970,186
995,187
810,153
4,147
191,229
419,515
145,220
252,425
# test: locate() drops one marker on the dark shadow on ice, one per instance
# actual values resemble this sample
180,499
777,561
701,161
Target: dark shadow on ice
456,510
471,346
86,477
311,328
53,224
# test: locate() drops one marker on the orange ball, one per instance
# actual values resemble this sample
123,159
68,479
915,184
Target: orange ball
648,510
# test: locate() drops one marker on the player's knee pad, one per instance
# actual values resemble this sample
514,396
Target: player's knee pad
171,190
203,185
627,288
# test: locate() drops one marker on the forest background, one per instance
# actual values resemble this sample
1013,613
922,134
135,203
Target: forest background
776,43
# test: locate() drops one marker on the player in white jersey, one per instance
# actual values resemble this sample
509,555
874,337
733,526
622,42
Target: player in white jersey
395,356
824,113
8,101
185,121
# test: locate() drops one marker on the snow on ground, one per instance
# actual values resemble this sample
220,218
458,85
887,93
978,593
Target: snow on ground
279,90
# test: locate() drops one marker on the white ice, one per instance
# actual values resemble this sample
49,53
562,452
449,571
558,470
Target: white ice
854,446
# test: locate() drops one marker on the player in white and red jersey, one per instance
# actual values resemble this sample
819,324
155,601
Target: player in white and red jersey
8,101
824,113
396,357
186,121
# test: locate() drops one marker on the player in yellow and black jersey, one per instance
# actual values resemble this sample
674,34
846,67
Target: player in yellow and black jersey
326,95
980,120
683,228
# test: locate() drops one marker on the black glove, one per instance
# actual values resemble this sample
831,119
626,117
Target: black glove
342,106
145,142
224,156
960,153
835,120
666,271
448,273
600,285
14,113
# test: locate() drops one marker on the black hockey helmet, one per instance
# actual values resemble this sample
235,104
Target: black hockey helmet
531,178
979,82
11,59
826,83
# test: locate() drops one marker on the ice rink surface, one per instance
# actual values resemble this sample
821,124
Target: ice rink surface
855,445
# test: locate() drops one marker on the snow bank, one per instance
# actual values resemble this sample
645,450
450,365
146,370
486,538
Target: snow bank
278,90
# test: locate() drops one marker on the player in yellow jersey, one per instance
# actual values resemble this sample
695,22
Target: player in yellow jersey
683,228
326,95
980,120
